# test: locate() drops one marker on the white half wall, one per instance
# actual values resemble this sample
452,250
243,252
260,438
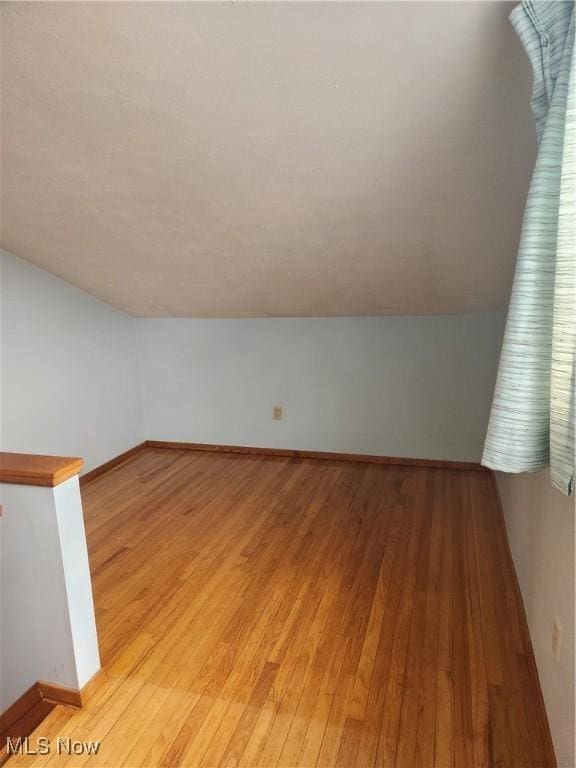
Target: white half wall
47,628
69,369
398,386
540,526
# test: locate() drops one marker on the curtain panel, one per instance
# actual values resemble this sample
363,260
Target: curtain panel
532,418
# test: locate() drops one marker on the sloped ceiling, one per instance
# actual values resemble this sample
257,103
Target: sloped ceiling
254,159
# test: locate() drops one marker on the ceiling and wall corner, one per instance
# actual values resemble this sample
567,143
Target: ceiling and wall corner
267,159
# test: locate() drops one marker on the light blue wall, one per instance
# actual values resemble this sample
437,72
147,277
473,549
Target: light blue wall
397,386
69,369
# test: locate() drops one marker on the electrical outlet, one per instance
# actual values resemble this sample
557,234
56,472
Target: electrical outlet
277,412
556,639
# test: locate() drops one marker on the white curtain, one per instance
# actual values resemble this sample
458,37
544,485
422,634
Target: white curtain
532,419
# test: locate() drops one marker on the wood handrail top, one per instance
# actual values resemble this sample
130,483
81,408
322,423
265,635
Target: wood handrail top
33,469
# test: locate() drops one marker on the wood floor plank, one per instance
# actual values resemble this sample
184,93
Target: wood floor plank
261,611
444,736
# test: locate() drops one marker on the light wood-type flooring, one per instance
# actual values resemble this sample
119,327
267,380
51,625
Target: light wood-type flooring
264,611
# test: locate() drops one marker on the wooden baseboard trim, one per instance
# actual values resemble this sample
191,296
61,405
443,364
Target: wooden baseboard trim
58,694
71,697
324,455
286,452
108,465
27,712
20,719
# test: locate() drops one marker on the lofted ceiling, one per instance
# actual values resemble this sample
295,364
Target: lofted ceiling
267,159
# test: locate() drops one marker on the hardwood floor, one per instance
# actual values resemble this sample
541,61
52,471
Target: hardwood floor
264,611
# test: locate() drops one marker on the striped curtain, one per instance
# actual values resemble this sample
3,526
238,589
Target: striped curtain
532,419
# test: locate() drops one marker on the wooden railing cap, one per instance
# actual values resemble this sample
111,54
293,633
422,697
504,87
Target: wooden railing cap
33,469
